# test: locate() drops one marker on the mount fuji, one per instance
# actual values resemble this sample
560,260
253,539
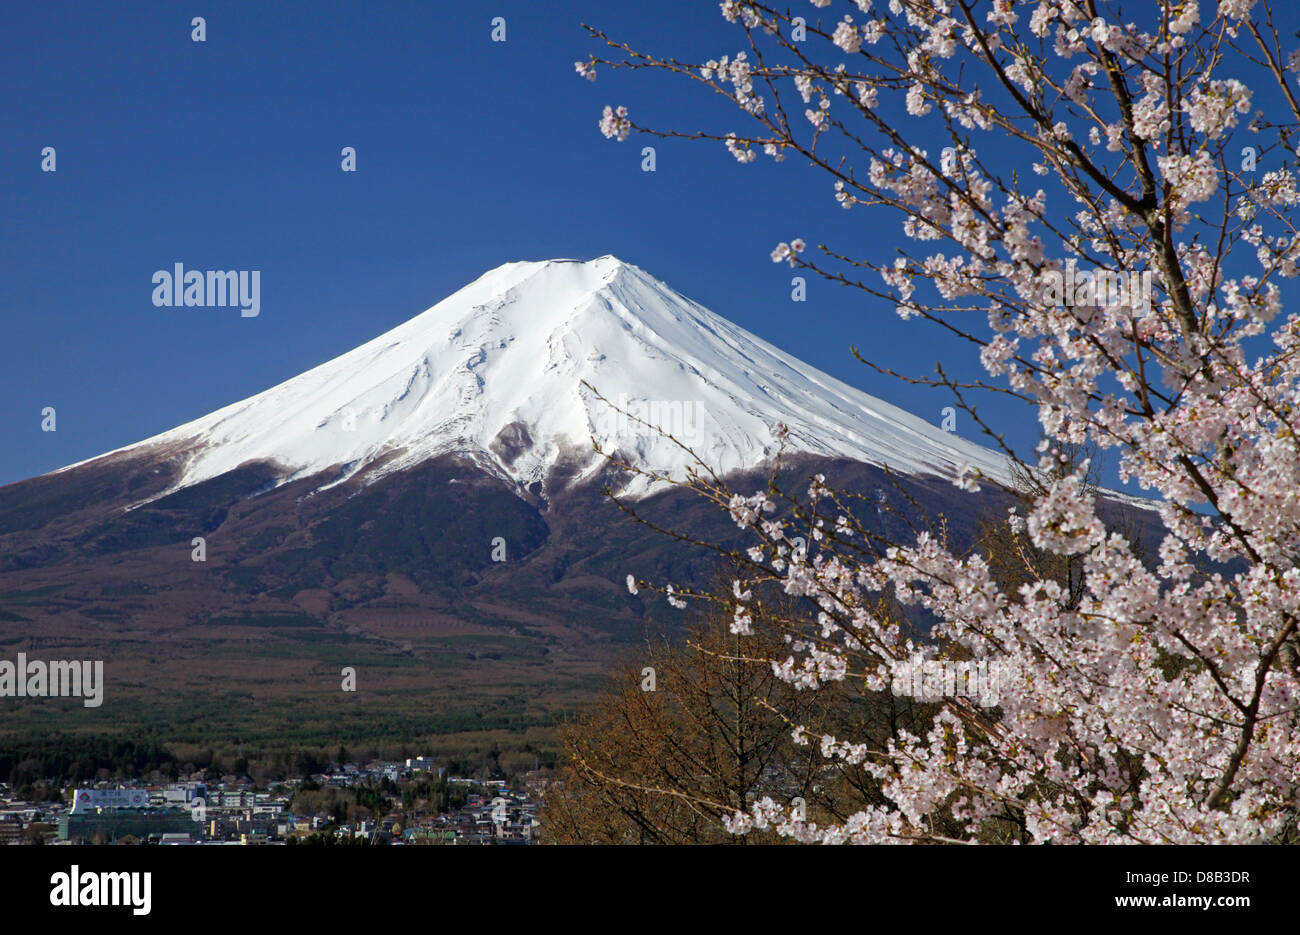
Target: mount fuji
502,372
427,509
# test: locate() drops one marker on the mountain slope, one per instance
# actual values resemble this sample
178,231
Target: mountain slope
496,371
426,510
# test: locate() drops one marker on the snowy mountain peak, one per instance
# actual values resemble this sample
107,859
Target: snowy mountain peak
496,372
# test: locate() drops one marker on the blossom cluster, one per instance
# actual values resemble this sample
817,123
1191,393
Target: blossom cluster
1154,696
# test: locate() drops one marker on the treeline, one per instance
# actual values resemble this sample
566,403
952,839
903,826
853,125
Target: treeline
34,767
355,803
373,800
436,797
62,760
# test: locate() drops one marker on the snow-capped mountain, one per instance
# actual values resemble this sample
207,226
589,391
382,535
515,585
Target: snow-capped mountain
496,372
416,509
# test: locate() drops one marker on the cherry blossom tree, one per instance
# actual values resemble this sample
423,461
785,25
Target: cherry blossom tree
1130,294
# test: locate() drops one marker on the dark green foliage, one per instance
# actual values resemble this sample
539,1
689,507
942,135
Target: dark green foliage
69,759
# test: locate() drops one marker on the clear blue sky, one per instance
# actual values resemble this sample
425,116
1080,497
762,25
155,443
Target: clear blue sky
226,155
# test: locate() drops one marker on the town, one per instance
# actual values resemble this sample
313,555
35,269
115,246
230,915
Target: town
372,803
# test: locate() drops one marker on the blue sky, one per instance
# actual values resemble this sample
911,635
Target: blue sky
226,155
